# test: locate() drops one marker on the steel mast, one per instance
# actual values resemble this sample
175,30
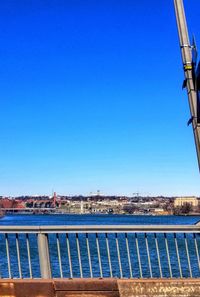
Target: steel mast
188,66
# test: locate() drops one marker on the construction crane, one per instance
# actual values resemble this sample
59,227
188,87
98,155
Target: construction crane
191,71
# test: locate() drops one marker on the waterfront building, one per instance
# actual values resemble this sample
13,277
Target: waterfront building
180,201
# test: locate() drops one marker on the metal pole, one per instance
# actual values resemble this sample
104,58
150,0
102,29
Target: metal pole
43,250
188,69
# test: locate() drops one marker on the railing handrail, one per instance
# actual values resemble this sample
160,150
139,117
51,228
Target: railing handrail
70,249
102,229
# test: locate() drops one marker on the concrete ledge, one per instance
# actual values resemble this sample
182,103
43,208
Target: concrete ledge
86,288
26,288
100,288
95,284
87,294
159,288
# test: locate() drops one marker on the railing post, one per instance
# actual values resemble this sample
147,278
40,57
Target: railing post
43,250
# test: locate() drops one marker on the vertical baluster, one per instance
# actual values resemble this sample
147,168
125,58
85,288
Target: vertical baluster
128,253
168,257
158,254
69,256
99,255
188,256
89,257
118,255
0,269
196,249
18,255
59,255
138,255
79,255
108,251
29,255
8,255
178,256
148,255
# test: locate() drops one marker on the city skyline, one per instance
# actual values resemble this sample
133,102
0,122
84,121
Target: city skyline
91,99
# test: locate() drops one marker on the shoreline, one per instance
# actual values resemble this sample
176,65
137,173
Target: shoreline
100,214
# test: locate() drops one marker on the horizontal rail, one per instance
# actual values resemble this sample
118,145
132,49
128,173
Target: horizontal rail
102,229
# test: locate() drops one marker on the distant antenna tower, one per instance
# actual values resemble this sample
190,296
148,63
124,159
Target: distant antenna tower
136,194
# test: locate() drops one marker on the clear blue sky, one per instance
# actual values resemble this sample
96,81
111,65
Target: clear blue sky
91,98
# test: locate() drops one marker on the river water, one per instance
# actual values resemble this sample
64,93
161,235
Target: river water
139,263
72,219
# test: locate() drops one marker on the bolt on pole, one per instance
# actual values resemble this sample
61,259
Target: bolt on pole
186,52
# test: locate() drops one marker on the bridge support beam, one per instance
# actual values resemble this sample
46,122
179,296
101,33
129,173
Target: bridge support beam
186,53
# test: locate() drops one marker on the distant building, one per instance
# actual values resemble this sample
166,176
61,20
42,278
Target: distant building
180,201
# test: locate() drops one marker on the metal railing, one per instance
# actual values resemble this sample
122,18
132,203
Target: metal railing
100,251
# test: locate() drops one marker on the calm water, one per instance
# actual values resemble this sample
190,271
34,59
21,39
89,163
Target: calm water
35,220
